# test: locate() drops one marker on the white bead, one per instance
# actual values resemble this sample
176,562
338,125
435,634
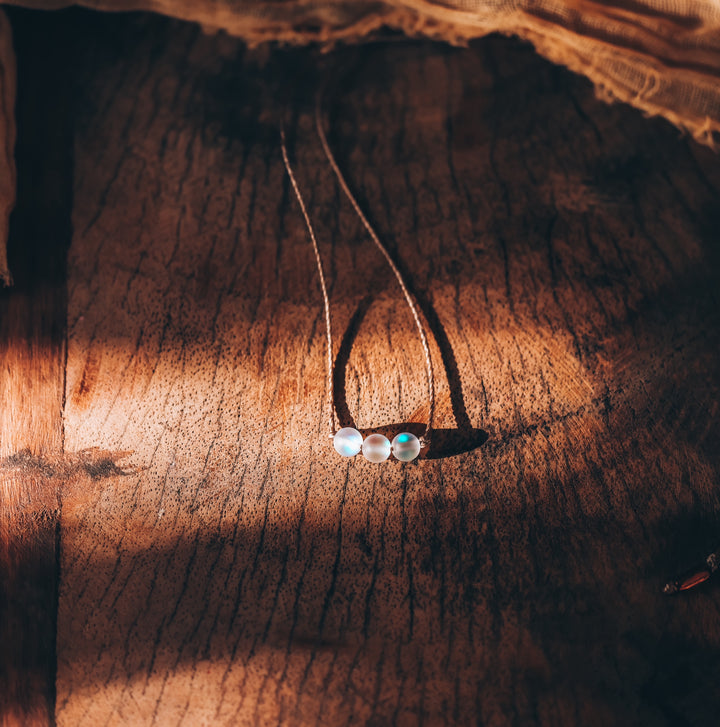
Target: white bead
406,447
348,442
376,448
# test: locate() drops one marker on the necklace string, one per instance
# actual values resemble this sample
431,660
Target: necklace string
412,305
323,285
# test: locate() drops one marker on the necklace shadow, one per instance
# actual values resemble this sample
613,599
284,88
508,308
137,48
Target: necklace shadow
444,442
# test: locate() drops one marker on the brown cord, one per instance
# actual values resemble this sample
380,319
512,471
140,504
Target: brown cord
425,439
326,300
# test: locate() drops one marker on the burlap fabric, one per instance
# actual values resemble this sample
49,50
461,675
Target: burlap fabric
662,56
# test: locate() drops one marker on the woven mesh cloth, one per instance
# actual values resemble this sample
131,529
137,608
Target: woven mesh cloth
661,56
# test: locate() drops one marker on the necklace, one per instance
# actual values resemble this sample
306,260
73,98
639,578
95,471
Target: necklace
347,440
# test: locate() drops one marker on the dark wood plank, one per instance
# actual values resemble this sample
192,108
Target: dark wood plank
8,80
239,572
32,376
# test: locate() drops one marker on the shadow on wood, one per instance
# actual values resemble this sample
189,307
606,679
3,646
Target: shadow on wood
443,442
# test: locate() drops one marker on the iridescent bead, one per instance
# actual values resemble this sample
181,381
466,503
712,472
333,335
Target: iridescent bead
376,448
405,447
348,442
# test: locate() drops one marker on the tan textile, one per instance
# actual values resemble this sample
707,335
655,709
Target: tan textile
662,56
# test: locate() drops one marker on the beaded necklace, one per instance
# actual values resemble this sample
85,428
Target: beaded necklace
348,441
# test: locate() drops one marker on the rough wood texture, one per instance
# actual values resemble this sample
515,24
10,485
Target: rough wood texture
662,57
237,571
32,366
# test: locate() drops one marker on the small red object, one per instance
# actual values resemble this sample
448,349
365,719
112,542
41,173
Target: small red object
693,580
689,579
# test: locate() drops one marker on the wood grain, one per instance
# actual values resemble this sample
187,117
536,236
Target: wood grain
32,368
239,572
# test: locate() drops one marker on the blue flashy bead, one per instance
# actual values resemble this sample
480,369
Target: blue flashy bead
406,447
348,442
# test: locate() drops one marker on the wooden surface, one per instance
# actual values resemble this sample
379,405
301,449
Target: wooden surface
8,180
32,362
220,564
